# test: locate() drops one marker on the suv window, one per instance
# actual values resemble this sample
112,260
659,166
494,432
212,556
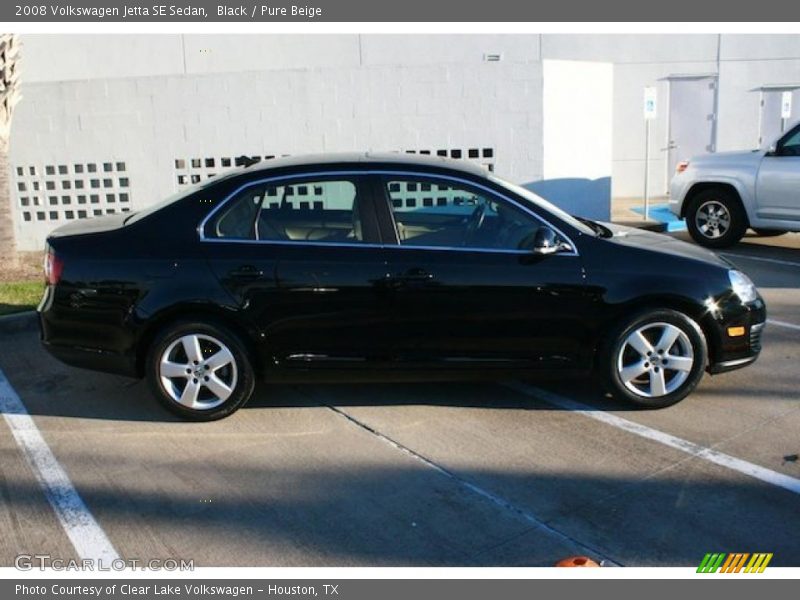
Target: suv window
790,145
317,211
435,213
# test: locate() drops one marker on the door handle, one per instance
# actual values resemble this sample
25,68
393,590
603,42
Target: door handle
246,273
412,277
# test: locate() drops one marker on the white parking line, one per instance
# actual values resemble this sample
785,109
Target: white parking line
719,458
758,258
783,324
86,535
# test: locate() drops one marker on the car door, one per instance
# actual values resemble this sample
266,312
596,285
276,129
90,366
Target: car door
778,183
305,268
466,286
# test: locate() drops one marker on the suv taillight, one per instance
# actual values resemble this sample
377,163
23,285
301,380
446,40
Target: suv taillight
53,267
682,166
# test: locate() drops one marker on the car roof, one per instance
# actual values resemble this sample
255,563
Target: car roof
369,158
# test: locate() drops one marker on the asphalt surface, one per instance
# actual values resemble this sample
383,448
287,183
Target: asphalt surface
423,474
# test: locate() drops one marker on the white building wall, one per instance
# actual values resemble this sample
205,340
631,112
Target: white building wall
147,100
577,108
80,57
150,122
743,63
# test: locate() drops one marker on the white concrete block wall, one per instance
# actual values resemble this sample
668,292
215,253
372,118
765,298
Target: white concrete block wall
149,122
149,99
80,57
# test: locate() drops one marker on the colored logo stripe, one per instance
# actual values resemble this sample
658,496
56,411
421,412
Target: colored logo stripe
734,562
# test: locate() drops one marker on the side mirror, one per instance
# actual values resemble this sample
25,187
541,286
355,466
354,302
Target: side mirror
772,150
546,241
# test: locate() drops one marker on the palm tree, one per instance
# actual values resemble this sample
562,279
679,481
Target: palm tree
9,96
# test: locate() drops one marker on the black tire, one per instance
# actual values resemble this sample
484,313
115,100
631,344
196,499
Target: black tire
236,375
718,200
615,353
769,232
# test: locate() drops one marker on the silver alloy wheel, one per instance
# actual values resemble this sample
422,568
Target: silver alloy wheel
713,219
198,371
655,360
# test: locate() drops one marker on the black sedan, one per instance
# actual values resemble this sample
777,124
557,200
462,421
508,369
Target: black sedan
366,266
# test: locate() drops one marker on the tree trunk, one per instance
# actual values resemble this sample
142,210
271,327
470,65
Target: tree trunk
9,96
8,254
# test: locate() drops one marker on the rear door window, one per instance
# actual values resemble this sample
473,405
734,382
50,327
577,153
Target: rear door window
321,211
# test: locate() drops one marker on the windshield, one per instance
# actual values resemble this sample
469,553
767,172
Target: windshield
179,195
544,204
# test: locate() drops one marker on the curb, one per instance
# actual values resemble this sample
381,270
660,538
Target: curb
656,226
24,321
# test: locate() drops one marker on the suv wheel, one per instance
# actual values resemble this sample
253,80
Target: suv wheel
716,219
200,371
654,359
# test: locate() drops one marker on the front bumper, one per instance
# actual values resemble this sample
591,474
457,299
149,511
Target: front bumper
733,353
678,187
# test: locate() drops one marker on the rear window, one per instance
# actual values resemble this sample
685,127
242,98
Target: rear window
307,211
180,195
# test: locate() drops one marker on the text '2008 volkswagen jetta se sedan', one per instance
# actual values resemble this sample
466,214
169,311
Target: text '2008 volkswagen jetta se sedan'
389,266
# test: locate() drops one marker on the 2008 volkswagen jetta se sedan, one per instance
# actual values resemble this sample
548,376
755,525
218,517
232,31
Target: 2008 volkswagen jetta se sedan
385,266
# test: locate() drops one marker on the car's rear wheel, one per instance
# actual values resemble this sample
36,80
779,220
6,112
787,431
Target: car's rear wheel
770,232
716,218
200,371
655,358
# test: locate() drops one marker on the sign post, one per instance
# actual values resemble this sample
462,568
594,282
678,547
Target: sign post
650,101
786,109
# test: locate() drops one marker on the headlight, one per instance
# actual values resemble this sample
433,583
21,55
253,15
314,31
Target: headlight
742,286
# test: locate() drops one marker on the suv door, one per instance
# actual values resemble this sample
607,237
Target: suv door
301,256
466,285
778,183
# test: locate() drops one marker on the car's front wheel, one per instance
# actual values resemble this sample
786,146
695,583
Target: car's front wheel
200,371
655,358
716,218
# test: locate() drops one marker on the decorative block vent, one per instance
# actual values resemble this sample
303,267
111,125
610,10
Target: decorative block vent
484,156
68,191
189,171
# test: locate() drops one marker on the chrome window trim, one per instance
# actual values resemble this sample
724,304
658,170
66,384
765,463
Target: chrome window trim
201,227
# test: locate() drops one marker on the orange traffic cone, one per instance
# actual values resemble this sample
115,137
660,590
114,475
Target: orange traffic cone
577,561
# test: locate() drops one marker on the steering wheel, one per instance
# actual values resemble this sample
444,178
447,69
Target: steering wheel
474,223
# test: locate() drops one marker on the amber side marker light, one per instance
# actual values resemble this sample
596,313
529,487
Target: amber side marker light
735,331
682,166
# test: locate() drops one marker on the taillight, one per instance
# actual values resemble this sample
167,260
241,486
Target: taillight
682,166
53,267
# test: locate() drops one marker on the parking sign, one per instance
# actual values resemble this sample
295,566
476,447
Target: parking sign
650,102
786,105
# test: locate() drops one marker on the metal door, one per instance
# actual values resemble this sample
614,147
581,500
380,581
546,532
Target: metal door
692,103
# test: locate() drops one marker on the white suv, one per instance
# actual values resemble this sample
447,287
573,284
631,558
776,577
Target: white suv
721,195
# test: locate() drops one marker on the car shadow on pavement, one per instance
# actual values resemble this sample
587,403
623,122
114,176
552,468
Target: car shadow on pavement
303,504
79,394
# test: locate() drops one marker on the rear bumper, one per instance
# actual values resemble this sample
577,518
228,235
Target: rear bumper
95,360
76,355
